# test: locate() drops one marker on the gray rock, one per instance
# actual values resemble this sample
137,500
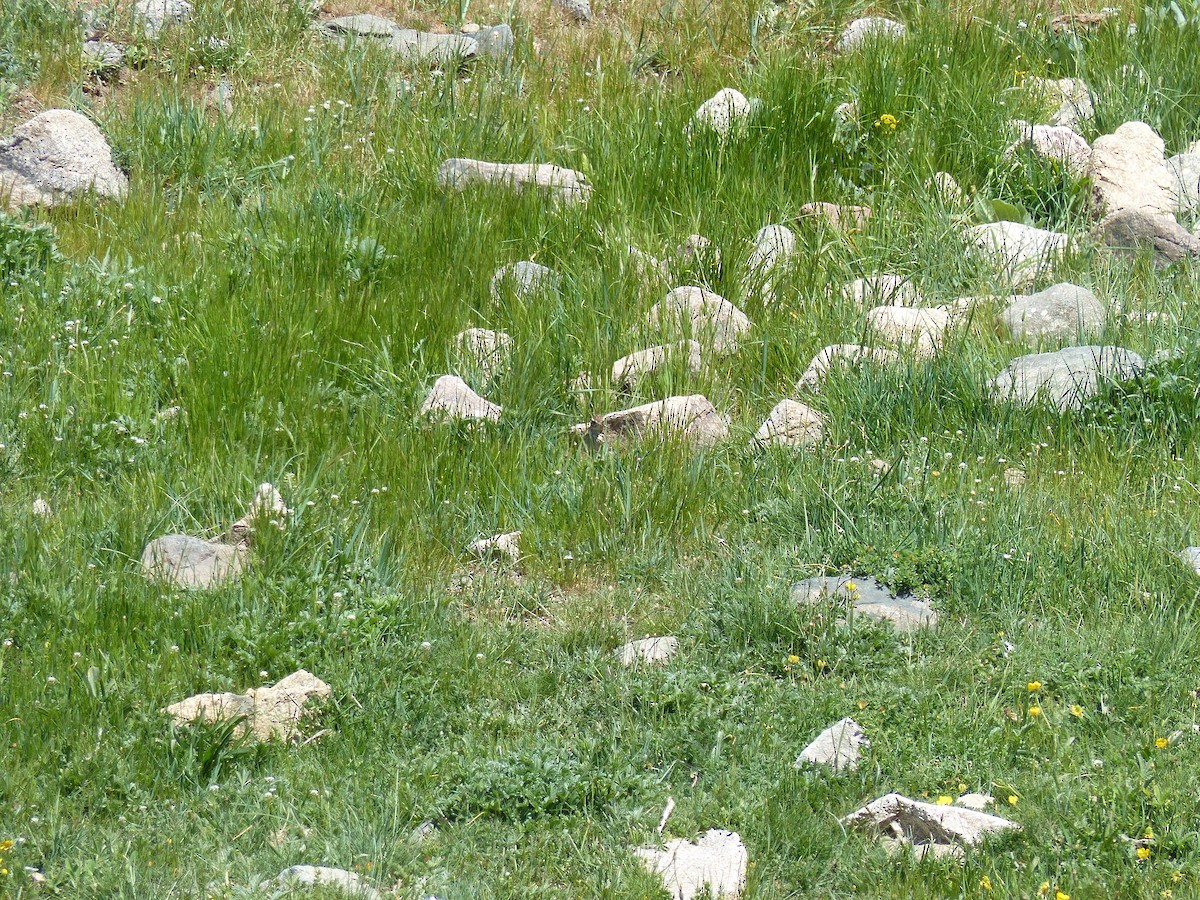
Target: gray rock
1066,377
947,187
724,114
791,424
1191,558
220,97
482,353
885,290
410,46
701,314
41,508
628,369
266,713
190,562
102,57
774,245
842,354
842,217
690,417
452,398
713,867
349,883
1072,97
363,25
523,279
1061,312
921,330
1129,171
861,31
1185,175
1053,142
503,546
837,747
1131,231
926,827
866,596
696,253
578,10
654,651
565,184
155,15
1019,252
55,156
496,42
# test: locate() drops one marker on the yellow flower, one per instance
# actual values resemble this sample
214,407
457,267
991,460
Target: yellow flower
962,788
985,883
1061,895
1149,835
1012,801
1161,743
1077,710
944,800
1035,711
862,704
1177,876
793,659
5,846
1034,685
821,664
888,121
1143,852
1044,889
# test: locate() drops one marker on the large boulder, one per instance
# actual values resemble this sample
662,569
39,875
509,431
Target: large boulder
452,398
566,185
712,867
1054,142
690,417
927,827
1064,378
1130,232
56,156
1019,252
1060,312
191,562
724,113
699,313
1129,171
920,329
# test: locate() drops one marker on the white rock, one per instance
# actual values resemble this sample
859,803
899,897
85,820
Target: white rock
451,398
922,329
774,245
349,883
54,157
703,315
652,650
946,185
1071,95
564,184
888,290
628,369
1191,558
713,867
926,825
1185,176
1060,312
978,802
483,352
843,354
41,508
695,251
837,747
579,10
1053,142
523,279
267,712
844,217
1019,252
723,113
861,31
690,417
191,562
791,424
1129,171
502,546
155,15
266,506
648,266
1066,377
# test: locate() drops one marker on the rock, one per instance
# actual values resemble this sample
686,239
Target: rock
922,329
190,562
1019,252
861,31
726,112
1129,171
55,156
41,509
845,354
266,507
1014,476
927,827
1066,377
1061,312
696,254
267,712
836,747
978,802
1053,142
578,10
348,883
566,185
648,266
690,417
102,57
523,279
1072,97
628,369
503,546
451,398
496,42
773,246
713,867
220,97
422,48
701,314
844,218
866,597
1191,558
1184,170
155,15
483,352
846,113
947,187
791,424
886,290
653,650
1131,231
363,25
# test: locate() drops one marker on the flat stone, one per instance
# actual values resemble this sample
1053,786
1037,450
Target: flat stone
189,562
155,15
713,867
578,10
871,28
1129,171
523,279
723,114
628,369
842,354
1184,170
41,508
837,747
452,398
1053,142
566,185
652,650
690,417
703,315
881,290
348,883
1019,252
791,424
55,157
1065,378
774,245
978,802
483,352
1060,312
503,546
844,218
496,42
422,48
1129,232
866,597
922,329
363,25
267,713
917,824
1191,558
102,57
1071,96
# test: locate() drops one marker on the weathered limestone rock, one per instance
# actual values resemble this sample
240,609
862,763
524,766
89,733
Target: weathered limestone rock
566,185
837,747
1053,142
410,46
774,245
190,562
496,42
947,187
1131,231
267,712
690,417
977,802
1066,377
866,596
791,424
155,15
1185,177
701,314
628,369
923,329
348,883
844,218
102,58
1060,312
1072,97
926,827
882,290
1019,252
54,157
653,651
267,507
1129,171
861,31
723,114
843,354
523,279
451,398
1191,558
578,10
503,546
362,25
483,352
713,867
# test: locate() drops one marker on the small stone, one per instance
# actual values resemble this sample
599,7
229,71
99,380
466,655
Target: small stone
846,113
628,369
843,354
690,417
522,279
220,97
102,58
190,562
1129,232
155,15
483,352
1053,142
836,747
867,597
1184,170
871,28
267,713
791,424
1019,252
844,218
1065,377
648,266
774,245
451,398
1071,96
41,509
1129,171
578,10
496,42
470,28
927,827
1191,558
654,651
566,185
922,329
423,832
701,314
726,112
977,802
349,883
713,867
54,157
503,546
947,187
1061,312
882,290
696,254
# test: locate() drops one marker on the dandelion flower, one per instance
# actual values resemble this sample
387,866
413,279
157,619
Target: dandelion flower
793,659
1035,711
1012,799
1077,710
985,883
1034,685
1061,895
886,121
1044,889
1143,853
1161,743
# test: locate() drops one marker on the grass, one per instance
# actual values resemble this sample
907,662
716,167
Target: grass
291,277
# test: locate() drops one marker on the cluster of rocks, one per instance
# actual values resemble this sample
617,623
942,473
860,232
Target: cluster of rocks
266,713
422,48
